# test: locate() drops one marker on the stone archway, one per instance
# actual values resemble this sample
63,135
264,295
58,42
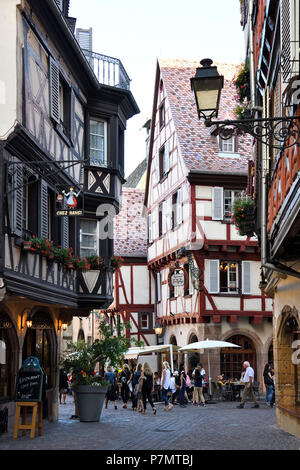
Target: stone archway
288,371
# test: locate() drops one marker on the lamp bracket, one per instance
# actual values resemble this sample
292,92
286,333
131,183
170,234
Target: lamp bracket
277,132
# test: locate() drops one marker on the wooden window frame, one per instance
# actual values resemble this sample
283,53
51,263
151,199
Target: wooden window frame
150,321
105,137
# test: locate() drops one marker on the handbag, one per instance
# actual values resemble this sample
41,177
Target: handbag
130,386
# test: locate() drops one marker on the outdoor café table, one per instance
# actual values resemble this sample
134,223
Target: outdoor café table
236,390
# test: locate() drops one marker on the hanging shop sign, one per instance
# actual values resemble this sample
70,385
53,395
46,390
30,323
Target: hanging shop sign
70,203
178,277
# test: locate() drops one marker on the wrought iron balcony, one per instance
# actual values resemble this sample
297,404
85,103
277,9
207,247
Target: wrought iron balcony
108,70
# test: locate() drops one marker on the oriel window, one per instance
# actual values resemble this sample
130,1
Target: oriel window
88,237
98,148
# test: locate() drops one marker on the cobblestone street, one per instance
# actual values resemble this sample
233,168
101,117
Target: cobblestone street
218,426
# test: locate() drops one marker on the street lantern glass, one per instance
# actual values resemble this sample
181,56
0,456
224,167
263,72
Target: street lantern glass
207,85
158,329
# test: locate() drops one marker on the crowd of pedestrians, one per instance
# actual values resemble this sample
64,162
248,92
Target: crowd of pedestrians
141,386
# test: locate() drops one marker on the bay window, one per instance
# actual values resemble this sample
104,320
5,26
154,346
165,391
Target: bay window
88,237
98,143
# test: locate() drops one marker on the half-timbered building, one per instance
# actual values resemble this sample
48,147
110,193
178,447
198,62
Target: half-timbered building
272,44
62,127
192,180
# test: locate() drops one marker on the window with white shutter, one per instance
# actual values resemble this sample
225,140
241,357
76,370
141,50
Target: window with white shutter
213,276
167,157
179,208
217,204
158,287
169,213
246,277
164,217
150,231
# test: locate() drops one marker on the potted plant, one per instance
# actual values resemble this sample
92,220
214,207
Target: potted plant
64,256
243,215
41,245
81,359
96,262
115,262
242,84
81,264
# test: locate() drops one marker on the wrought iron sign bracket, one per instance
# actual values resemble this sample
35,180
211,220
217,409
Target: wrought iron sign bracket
278,132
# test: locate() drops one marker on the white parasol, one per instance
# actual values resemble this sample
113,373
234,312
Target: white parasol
208,344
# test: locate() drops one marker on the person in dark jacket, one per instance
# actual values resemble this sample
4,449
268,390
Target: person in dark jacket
147,387
198,398
269,383
182,389
124,378
135,378
63,385
111,394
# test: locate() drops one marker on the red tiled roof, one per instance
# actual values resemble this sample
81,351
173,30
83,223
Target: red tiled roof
130,228
198,147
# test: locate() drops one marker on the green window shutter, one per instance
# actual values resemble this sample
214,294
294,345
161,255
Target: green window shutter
54,90
43,209
17,197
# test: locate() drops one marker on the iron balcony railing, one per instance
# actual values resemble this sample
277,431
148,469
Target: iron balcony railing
108,70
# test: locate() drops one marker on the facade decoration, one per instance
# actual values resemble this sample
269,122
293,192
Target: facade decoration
272,33
58,125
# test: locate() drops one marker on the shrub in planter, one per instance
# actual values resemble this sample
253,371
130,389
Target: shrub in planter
243,216
81,360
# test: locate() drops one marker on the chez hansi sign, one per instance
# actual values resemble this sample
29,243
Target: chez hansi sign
69,203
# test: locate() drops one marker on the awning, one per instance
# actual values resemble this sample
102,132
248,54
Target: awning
133,353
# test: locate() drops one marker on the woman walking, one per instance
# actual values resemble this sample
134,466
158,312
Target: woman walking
165,385
198,398
182,389
269,383
147,387
135,385
111,394
124,378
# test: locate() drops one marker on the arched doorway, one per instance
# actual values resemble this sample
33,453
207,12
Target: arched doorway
231,359
80,336
40,341
8,353
193,358
288,366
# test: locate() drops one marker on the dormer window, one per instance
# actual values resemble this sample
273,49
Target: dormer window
98,143
228,146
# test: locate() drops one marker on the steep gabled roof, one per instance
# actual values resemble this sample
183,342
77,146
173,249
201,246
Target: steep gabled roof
135,179
130,231
198,147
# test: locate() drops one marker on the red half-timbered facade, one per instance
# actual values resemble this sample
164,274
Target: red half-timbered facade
272,32
192,180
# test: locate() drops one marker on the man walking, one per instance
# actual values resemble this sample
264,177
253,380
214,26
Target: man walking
248,380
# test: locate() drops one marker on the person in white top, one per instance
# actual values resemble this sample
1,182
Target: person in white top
165,385
248,380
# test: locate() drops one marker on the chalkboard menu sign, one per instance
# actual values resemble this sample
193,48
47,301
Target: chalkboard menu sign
29,381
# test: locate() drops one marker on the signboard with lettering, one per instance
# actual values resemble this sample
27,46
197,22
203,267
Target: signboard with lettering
178,277
29,381
70,203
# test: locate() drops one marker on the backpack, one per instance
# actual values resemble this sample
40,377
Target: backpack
188,381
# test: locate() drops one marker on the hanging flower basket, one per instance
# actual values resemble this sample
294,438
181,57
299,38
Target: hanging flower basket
116,262
242,84
243,216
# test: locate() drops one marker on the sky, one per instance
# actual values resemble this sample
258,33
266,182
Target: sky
138,32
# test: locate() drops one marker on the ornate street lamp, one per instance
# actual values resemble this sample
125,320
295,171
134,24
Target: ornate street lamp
276,132
207,86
